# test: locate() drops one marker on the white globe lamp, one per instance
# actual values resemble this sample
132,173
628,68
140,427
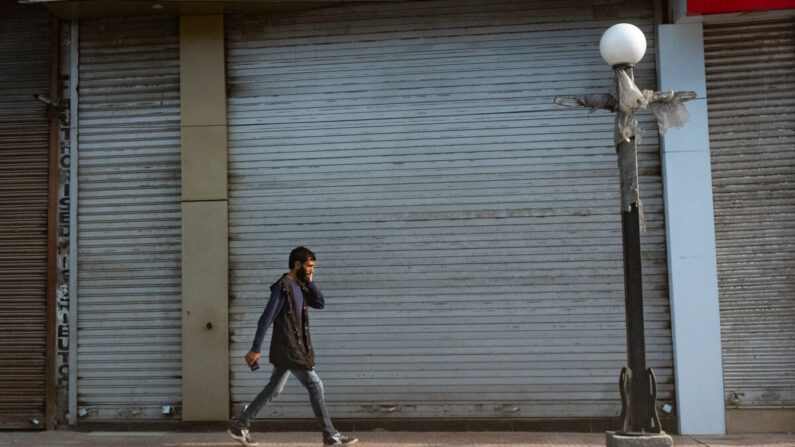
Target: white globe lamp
622,44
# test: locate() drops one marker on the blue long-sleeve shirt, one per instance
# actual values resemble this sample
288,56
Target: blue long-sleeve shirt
309,292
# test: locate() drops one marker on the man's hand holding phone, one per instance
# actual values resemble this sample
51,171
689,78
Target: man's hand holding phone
252,360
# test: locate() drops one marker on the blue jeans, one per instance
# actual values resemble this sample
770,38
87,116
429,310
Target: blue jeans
278,379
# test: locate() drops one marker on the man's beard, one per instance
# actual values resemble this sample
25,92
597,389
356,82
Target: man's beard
301,274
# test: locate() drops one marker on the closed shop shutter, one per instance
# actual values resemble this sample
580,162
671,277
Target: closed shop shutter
24,146
129,275
751,97
468,230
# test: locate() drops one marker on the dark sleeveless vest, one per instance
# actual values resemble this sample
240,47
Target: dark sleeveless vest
291,345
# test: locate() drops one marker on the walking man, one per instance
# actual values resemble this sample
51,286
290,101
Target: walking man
291,348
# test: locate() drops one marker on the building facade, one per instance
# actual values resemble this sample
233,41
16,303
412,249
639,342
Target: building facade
468,230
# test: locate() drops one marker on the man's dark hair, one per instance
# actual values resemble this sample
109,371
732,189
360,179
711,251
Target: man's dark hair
301,254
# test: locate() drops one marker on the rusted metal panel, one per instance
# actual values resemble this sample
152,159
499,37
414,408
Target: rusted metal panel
24,131
750,69
468,234
129,274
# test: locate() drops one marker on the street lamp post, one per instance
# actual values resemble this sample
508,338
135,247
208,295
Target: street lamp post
622,46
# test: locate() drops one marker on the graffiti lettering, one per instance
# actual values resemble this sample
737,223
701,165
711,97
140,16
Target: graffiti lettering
62,288
63,213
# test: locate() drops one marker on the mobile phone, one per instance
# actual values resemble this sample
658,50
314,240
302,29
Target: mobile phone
254,366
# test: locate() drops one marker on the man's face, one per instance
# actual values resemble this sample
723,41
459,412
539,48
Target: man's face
306,270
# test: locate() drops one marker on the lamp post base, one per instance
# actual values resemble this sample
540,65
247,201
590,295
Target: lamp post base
614,439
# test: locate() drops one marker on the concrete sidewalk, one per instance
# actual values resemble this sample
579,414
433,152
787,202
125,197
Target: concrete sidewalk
366,439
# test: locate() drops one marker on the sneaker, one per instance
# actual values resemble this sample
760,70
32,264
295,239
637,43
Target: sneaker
339,440
241,436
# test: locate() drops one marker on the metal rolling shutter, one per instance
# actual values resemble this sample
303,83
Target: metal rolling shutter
468,230
24,143
129,275
751,97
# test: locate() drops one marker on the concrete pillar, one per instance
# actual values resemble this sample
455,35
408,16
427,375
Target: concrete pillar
690,236
205,272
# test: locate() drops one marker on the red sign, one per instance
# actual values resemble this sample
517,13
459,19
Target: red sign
695,7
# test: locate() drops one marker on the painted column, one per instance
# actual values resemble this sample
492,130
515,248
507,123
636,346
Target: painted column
690,236
205,272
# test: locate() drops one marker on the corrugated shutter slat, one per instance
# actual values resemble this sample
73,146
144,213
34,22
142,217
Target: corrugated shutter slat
750,71
24,148
468,230
129,262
